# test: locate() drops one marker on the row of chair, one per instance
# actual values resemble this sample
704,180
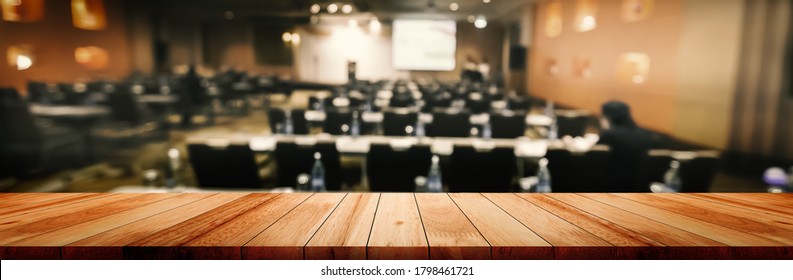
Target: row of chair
467,169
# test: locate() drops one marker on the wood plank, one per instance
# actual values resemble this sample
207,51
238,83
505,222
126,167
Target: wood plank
109,244
345,233
93,211
33,201
87,229
397,231
166,244
760,205
33,215
745,245
232,235
629,244
508,238
285,239
450,235
681,243
753,223
569,241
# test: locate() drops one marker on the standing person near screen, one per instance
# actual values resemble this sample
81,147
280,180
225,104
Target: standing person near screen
484,70
629,145
190,94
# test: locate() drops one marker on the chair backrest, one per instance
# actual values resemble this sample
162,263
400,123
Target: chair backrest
507,126
335,120
571,125
478,105
482,171
38,92
390,170
10,96
394,123
17,124
125,107
519,103
696,174
233,166
446,124
580,172
292,160
277,116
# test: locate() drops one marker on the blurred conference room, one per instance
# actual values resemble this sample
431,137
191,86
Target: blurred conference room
570,96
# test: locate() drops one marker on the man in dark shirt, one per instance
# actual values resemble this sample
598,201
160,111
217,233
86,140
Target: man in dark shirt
629,145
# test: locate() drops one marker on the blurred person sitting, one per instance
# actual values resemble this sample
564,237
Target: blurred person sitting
629,145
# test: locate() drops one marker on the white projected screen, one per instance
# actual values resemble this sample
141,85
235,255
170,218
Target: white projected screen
425,44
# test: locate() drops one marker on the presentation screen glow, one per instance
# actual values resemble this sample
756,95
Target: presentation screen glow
425,44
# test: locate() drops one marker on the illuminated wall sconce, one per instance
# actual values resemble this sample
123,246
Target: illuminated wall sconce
553,19
633,68
20,57
89,14
585,15
552,67
636,10
582,68
23,10
91,57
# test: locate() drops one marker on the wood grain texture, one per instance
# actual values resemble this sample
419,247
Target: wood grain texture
450,234
682,244
89,211
629,244
770,227
508,238
766,206
396,226
285,239
569,241
397,232
166,244
345,233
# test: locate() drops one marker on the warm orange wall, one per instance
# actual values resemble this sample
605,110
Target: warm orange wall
653,103
54,39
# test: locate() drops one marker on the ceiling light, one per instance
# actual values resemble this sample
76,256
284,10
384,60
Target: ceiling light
480,22
229,15
375,26
347,8
287,37
485,1
471,19
296,39
333,8
454,6
315,8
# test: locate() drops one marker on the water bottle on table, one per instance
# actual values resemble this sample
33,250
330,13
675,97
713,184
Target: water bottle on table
318,174
543,177
434,183
672,177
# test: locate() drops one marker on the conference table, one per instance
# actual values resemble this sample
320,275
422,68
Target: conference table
392,226
81,118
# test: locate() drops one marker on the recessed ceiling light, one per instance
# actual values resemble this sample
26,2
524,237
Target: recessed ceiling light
480,22
315,8
333,8
485,1
454,6
347,8
471,19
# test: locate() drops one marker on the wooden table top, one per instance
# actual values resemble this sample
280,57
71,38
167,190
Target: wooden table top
395,226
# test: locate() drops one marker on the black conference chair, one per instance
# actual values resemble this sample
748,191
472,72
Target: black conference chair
395,123
336,121
580,172
572,125
232,166
507,126
477,103
482,171
276,117
450,124
696,174
391,170
30,145
519,103
292,159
